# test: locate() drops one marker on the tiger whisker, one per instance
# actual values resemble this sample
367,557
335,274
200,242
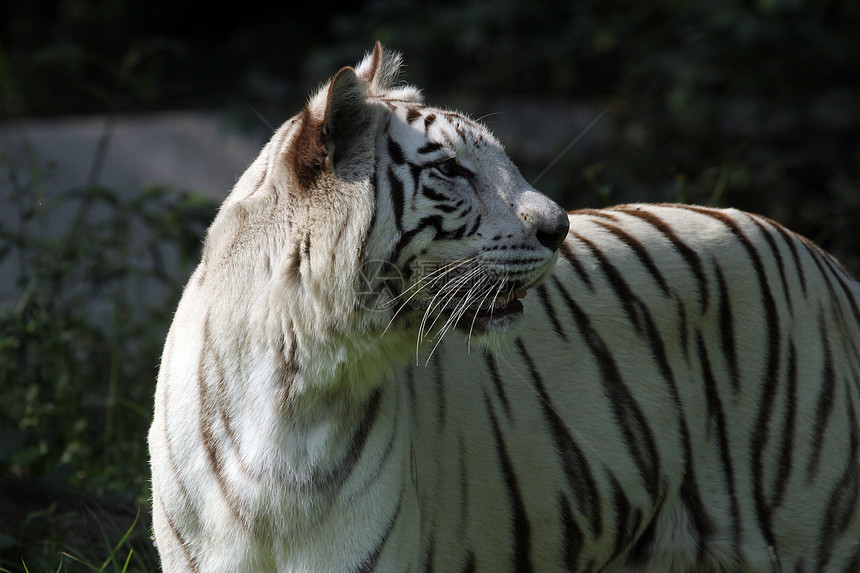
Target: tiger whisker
458,312
474,318
444,270
453,288
447,269
502,284
422,331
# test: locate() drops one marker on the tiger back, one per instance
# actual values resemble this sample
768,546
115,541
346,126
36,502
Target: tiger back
395,355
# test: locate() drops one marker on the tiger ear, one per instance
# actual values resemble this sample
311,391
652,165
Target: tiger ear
371,67
349,126
338,134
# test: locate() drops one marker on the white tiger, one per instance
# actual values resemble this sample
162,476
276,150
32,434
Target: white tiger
679,394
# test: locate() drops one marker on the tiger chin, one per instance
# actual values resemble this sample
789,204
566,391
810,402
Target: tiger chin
396,355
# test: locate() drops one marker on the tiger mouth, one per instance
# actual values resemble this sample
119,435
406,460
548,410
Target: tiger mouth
501,310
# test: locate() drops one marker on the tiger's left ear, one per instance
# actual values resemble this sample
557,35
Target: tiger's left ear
349,126
338,133
372,67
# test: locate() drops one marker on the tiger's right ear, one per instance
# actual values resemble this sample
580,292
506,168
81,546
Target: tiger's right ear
342,139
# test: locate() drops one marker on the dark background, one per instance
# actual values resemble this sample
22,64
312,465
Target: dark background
750,104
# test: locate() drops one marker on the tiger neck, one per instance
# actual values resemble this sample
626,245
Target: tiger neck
348,364
338,420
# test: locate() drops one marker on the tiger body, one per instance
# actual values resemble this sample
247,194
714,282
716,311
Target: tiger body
680,393
672,403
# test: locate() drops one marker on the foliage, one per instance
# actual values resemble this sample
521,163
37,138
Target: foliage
79,345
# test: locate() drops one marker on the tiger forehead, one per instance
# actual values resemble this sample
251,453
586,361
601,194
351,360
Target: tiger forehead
455,128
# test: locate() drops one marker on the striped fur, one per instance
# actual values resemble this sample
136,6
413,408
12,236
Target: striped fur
348,384
683,396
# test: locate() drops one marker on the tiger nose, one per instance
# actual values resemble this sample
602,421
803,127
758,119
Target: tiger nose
551,233
544,218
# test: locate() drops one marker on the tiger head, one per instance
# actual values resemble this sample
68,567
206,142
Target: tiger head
399,215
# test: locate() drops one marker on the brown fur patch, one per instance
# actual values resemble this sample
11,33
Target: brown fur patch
308,155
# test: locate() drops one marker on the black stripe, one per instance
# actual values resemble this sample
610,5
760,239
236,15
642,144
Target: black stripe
306,248
397,197
373,476
396,152
369,563
469,566
641,253
684,329
689,255
839,275
571,536
431,193
717,412
434,222
568,254
412,114
777,257
455,234
431,552
623,514
550,311
825,399
642,319
770,378
631,420
440,386
410,388
493,367
336,477
641,552
601,213
428,121
836,273
854,563
727,330
791,241
430,146
696,510
785,465
521,529
464,486
573,462
616,282
843,498
294,269
689,488
475,225
415,172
